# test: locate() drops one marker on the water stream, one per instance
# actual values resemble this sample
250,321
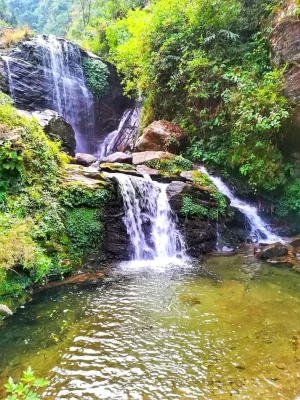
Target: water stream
122,138
224,329
149,220
259,229
64,85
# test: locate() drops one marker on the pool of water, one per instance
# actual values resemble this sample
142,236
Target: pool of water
228,328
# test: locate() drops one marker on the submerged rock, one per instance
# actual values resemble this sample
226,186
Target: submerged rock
161,136
85,159
271,251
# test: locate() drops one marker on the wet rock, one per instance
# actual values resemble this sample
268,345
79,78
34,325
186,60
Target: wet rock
161,136
143,157
176,191
85,159
200,235
5,310
55,127
118,157
121,169
76,174
153,173
295,243
283,261
271,251
187,175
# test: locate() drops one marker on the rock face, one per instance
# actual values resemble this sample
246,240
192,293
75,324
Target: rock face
142,158
55,127
200,232
46,73
286,48
161,136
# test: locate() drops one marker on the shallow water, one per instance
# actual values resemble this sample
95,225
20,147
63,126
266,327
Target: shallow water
221,330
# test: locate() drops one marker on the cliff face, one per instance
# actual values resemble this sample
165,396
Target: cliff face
46,73
285,46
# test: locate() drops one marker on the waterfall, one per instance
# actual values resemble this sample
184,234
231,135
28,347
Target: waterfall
148,218
259,229
122,138
62,87
108,145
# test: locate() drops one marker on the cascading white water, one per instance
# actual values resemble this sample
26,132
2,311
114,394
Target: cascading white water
71,98
149,220
108,144
62,88
124,136
259,229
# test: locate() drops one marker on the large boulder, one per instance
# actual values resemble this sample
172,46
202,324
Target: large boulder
118,157
271,251
161,136
85,159
145,156
56,127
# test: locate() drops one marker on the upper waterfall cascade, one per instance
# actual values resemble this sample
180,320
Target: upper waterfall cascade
259,229
124,136
61,68
148,218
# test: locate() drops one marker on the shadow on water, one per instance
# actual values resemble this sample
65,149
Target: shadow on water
226,328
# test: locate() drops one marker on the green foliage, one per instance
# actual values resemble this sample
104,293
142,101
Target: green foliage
171,166
289,201
191,209
43,16
97,74
78,195
84,229
26,388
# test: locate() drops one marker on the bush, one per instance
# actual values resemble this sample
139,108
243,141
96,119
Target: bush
97,74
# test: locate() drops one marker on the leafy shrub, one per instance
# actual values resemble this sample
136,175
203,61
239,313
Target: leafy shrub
97,74
78,195
84,229
26,388
190,209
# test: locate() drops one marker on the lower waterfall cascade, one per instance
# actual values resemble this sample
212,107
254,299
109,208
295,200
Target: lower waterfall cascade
148,218
259,230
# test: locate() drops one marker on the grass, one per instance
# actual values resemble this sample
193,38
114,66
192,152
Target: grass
13,36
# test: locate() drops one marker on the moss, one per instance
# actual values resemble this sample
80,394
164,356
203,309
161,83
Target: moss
117,166
97,74
171,167
85,231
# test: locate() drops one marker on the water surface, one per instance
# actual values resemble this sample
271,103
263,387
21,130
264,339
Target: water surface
226,329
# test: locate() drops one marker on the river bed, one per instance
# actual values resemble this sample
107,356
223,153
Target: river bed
227,328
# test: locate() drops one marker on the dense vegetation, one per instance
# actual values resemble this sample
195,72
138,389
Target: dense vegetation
44,223
215,55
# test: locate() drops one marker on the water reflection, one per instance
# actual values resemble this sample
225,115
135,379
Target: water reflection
223,329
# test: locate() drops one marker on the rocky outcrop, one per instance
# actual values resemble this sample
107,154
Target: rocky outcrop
162,136
286,50
85,159
6,311
55,127
271,251
118,157
25,73
144,157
